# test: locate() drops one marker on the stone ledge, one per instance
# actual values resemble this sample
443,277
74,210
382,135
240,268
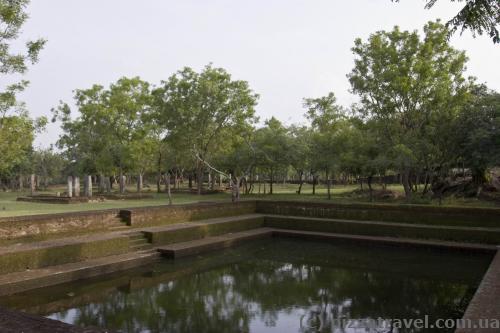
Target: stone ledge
21,281
20,322
386,229
387,241
486,301
21,257
422,214
208,244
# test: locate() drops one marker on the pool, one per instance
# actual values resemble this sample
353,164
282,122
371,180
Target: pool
275,285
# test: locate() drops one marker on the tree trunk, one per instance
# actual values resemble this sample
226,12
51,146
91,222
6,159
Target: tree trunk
233,188
271,182
102,183
370,187
328,184
213,180
238,183
190,180
169,194
406,183
139,183
199,176
314,184
108,184
300,182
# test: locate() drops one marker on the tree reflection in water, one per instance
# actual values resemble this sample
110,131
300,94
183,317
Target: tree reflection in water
274,286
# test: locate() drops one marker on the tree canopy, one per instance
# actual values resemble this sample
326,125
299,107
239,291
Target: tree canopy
478,16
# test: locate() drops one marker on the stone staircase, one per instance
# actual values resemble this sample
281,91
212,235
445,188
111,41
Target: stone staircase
139,242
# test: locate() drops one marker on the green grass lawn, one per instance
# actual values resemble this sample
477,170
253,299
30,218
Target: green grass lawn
341,194
10,207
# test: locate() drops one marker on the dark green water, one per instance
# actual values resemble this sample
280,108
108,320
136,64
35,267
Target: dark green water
269,286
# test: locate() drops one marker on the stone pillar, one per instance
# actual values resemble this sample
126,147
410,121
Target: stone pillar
70,187
88,186
76,186
122,183
33,184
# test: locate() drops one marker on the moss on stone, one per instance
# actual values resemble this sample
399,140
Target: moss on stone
61,254
415,214
198,231
385,229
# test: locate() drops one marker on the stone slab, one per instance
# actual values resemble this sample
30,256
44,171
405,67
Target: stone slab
21,281
391,241
485,305
20,322
199,246
386,229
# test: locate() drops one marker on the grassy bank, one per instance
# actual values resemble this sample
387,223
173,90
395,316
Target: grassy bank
10,207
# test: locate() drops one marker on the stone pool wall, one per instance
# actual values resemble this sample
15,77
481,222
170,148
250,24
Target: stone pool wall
50,253
40,226
417,214
162,215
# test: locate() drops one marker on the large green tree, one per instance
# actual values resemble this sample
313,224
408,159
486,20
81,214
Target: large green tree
110,130
411,88
203,111
477,133
273,152
17,129
329,125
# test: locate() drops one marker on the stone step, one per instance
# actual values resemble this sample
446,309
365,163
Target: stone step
37,278
188,231
138,245
119,227
387,241
138,241
207,244
136,235
386,229
20,257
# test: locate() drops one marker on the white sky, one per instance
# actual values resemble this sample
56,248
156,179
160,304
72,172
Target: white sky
286,49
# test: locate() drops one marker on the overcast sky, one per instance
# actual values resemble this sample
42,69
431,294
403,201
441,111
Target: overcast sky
286,49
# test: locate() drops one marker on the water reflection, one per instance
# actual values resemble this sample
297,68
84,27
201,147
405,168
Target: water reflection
275,286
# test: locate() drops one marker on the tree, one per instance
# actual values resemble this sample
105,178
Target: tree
48,165
478,133
110,130
328,122
17,129
300,147
272,144
479,16
411,89
202,112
